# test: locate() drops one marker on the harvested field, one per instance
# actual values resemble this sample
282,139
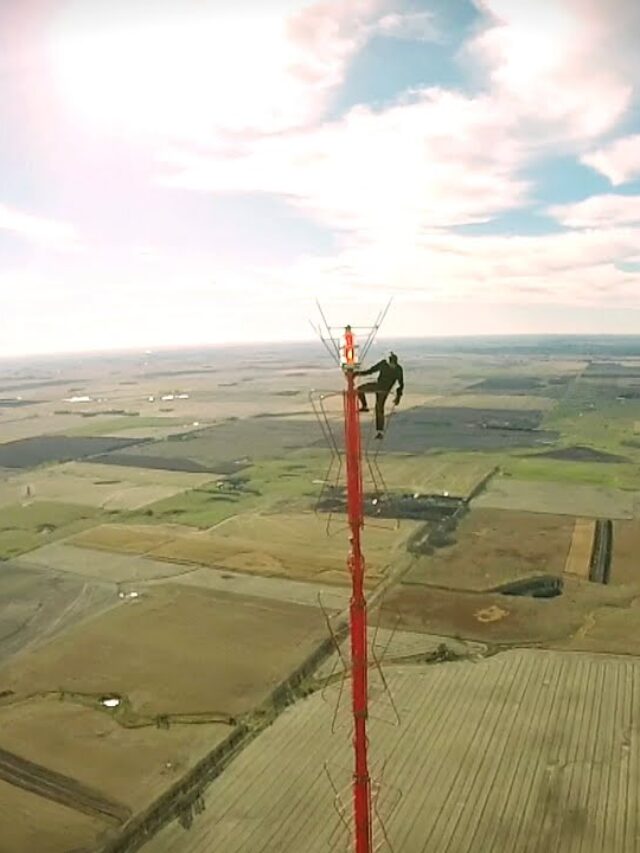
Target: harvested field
579,557
29,823
30,452
87,484
557,498
433,474
131,572
625,567
46,783
433,427
333,598
103,566
495,547
129,765
127,539
515,753
284,545
483,617
174,651
38,603
579,453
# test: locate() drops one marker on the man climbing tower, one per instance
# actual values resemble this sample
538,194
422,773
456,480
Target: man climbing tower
389,372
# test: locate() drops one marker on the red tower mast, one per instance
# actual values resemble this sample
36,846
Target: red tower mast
358,604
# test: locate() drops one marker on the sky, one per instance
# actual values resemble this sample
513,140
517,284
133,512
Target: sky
200,172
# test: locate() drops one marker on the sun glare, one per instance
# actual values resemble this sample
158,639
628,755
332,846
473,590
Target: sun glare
186,77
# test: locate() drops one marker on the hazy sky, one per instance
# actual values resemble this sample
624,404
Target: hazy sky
199,171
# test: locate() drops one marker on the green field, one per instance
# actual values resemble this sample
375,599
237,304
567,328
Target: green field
615,475
270,485
23,528
125,422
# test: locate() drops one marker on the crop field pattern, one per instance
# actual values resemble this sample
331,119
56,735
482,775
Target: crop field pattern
579,556
48,448
163,548
84,483
495,547
295,546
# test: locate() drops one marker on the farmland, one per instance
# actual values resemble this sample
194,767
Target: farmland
225,677
626,561
496,719
93,485
495,547
31,452
545,495
163,548
458,475
579,556
282,545
23,527
428,428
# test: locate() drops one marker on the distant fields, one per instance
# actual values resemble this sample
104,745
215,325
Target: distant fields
175,560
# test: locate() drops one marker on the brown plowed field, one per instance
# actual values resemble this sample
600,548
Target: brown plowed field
494,547
625,565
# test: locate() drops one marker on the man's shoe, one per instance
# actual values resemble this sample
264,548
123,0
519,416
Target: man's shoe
363,409
379,435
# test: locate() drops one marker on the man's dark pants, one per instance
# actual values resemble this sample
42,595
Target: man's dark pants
381,398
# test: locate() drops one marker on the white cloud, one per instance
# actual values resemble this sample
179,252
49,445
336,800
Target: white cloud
38,230
391,182
207,70
413,26
438,158
566,67
441,160
566,267
619,161
599,211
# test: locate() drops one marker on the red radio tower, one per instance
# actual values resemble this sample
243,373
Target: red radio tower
358,604
346,355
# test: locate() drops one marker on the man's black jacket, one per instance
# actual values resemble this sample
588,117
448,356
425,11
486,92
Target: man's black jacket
389,375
